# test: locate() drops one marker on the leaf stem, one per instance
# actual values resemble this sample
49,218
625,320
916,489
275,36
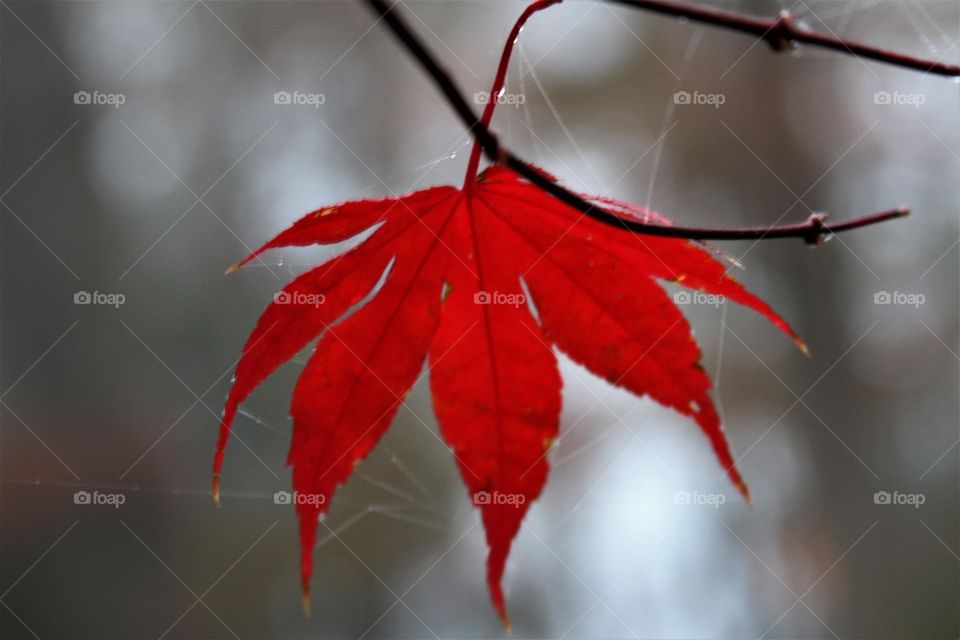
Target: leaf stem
779,32
497,86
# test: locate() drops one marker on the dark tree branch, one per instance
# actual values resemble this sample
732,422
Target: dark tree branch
779,32
782,31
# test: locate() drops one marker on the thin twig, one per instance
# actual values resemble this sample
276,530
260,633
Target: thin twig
784,32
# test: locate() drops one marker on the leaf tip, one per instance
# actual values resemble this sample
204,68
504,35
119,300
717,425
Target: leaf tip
505,621
744,491
499,603
216,489
306,602
232,268
797,340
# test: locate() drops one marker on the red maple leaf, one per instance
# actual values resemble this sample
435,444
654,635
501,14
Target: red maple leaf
456,262
485,281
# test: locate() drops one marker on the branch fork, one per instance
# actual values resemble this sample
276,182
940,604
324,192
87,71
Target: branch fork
780,33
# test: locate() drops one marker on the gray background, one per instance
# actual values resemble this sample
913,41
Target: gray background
155,198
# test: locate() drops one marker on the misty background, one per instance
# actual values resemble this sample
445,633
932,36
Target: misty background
178,159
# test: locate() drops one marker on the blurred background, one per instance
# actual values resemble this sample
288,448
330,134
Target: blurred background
144,151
